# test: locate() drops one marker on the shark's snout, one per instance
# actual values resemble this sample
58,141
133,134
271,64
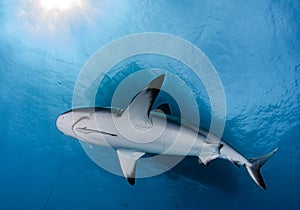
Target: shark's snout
63,124
59,123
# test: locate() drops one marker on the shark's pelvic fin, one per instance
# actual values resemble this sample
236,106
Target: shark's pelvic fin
210,152
128,160
140,106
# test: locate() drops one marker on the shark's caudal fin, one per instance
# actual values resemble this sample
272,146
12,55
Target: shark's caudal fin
254,168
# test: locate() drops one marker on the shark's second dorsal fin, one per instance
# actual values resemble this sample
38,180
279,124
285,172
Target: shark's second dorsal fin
140,106
128,161
165,108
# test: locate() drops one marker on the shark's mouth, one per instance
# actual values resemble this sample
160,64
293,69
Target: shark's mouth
86,130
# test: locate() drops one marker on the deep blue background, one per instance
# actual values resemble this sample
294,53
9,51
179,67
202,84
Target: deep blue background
255,48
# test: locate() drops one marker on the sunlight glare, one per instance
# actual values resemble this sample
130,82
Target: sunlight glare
59,4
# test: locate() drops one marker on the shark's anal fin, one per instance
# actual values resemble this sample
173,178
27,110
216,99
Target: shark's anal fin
128,160
139,108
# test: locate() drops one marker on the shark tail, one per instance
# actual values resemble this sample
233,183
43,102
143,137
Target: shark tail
254,168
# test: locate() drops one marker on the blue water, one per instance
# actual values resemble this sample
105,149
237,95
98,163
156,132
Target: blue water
255,48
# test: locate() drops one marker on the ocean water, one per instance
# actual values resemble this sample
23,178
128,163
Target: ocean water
255,49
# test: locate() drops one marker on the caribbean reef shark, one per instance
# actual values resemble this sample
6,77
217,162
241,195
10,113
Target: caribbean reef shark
137,130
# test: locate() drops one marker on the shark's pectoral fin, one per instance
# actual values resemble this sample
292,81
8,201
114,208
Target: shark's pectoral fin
139,108
128,160
209,152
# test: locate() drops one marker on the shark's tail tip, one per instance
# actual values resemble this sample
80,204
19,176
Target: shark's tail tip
254,168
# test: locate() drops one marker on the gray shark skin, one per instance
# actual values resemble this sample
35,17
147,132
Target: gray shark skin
137,130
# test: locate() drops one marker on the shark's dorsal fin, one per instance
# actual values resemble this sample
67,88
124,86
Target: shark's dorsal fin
165,108
128,159
140,106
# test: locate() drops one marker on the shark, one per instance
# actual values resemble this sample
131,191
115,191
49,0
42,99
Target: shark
139,129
